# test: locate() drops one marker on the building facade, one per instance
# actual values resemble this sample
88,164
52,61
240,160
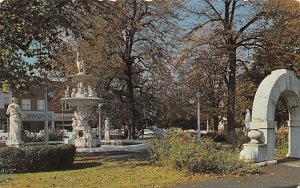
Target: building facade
5,98
33,107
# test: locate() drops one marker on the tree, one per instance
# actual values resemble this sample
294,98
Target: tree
201,71
30,39
280,43
131,44
279,50
233,26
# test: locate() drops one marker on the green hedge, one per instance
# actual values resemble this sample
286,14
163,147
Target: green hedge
36,158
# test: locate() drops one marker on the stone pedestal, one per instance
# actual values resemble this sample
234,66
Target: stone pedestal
107,127
85,138
268,136
254,152
294,139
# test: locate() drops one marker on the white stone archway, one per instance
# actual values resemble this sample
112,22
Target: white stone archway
279,82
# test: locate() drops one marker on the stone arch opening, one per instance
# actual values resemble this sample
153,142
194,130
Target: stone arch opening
279,82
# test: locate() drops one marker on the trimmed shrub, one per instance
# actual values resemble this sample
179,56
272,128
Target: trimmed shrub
184,152
55,135
36,158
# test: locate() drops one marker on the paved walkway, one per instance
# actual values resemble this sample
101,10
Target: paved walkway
286,174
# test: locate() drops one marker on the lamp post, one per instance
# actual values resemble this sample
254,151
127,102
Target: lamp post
45,84
198,95
99,124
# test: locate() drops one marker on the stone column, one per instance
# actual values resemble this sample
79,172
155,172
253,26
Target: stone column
268,130
294,139
265,149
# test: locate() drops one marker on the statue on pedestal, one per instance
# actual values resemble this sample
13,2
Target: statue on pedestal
90,91
79,118
247,121
67,92
73,92
15,122
80,65
107,124
80,90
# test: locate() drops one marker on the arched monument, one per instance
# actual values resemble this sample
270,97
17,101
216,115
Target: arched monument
262,128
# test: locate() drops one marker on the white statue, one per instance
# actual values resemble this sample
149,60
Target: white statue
90,91
74,122
81,89
247,121
15,114
79,118
80,65
73,92
85,92
88,139
67,92
106,124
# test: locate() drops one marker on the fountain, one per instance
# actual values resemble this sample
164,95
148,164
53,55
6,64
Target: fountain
83,100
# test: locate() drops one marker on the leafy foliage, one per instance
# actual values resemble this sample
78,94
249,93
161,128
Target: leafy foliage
184,152
29,38
281,142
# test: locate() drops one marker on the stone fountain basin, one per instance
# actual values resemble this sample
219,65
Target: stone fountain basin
81,101
135,146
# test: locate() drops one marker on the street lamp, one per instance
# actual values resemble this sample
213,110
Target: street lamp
198,95
45,84
99,124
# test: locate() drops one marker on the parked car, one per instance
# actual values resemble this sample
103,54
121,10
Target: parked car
147,133
3,135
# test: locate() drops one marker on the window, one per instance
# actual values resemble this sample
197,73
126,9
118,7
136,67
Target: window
66,106
26,104
40,104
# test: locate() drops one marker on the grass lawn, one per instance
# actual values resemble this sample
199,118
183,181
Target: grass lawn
125,170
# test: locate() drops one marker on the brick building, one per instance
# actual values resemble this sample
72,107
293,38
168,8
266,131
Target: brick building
33,107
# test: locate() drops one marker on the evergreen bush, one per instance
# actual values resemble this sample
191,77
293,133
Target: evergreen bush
36,158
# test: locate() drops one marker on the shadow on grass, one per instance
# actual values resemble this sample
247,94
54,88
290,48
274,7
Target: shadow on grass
78,166
124,157
113,156
287,160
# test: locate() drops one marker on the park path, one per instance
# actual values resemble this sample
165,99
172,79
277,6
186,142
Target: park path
286,174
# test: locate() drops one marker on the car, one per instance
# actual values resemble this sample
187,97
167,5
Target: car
3,135
147,133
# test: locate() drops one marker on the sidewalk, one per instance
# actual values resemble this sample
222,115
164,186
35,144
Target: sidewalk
286,174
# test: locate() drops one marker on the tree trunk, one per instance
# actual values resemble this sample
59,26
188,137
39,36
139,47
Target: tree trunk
132,120
231,91
215,122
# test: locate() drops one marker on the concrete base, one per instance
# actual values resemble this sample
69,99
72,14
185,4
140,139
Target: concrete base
81,142
131,148
266,163
254,153
293,155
